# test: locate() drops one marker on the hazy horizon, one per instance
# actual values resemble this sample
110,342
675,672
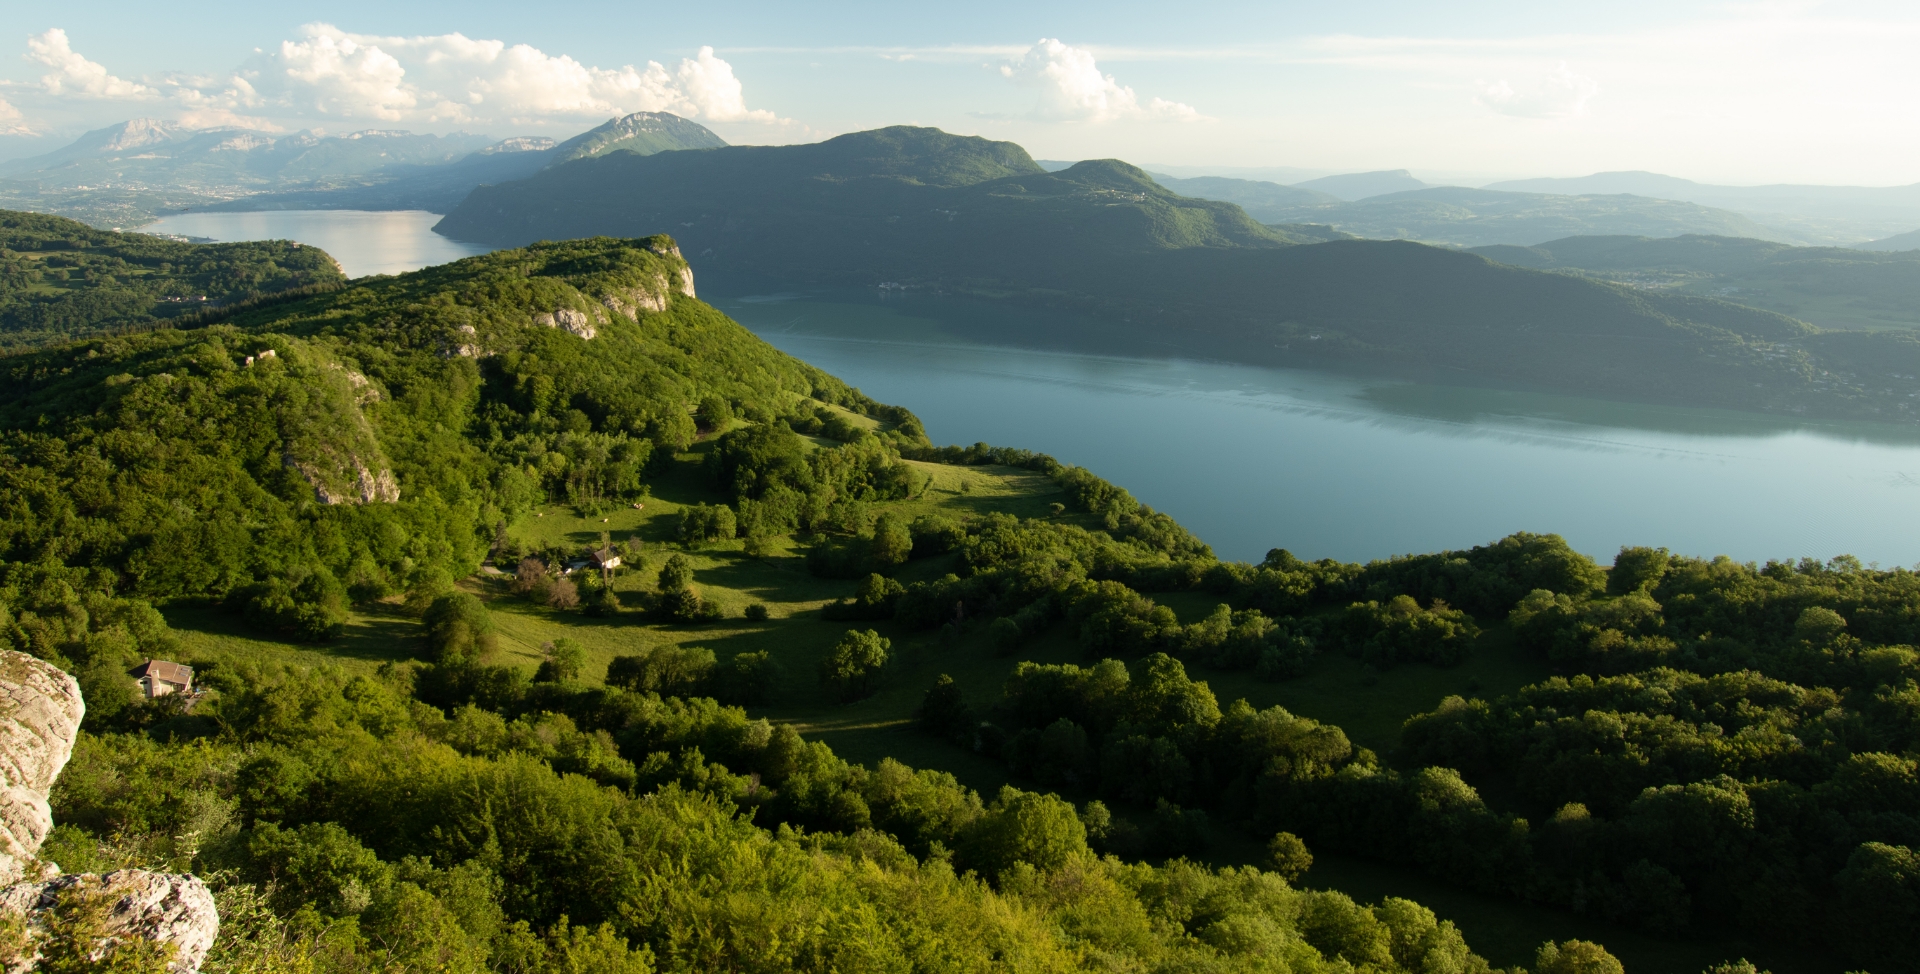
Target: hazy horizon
1731,94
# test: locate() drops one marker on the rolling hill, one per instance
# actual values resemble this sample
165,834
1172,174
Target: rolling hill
1840,215
1832,287
1269,203
405,759
62,280
1459,217
1360,185
1139,263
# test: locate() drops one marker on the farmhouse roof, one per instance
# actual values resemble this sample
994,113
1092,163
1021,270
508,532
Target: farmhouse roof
165,672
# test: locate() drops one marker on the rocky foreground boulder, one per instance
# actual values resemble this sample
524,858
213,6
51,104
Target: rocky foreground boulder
40,712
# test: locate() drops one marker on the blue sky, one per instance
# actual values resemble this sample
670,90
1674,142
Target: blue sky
1740,93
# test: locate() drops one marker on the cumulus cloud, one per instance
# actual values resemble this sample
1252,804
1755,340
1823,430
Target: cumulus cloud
11,121
1560,94
1073,89
454,78
75,75
328,73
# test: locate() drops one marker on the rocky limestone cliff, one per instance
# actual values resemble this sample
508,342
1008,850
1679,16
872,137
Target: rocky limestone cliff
328,438
40,711
162,907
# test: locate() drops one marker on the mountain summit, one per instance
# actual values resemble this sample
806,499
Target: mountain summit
642,133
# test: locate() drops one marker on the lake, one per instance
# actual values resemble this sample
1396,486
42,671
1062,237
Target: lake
1324,465
364,242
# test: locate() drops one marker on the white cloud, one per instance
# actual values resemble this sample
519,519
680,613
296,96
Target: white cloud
73,74
707,84
328,73
1560,94
454,78
11,121
1073,89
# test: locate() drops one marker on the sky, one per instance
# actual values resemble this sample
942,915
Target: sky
1736,93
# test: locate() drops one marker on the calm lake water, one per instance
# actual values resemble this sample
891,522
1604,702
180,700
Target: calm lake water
1327,466
363,242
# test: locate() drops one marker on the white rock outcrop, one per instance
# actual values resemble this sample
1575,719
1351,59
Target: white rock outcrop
40,711
576,322
141,905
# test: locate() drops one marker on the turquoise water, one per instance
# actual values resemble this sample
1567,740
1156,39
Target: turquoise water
1333,466
1328,466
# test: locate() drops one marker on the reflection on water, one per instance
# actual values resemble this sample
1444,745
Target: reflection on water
1252,458
364,242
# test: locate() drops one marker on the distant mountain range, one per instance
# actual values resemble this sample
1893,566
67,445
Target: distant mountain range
1807,215
1456,216
1146,270
127,174
1360,185
1899,241
1813,214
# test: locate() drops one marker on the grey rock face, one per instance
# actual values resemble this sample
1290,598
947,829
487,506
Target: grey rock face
162,907
40,711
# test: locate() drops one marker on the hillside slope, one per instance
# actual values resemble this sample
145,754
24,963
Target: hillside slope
918,207
641,133
447,396
1266,202
544,748
1833,287
895,204
1457,216
61,279
1819,214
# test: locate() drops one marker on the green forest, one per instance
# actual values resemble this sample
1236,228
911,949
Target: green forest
61,279
552,622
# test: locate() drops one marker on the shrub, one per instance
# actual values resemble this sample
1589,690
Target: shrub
852,668
748,678
530,577
891,544
458,628
702,523
1288,856
676,574
563,594
680,671
564,660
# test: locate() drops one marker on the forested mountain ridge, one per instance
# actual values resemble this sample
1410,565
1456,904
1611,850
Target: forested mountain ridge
1462,217
1834,287
1147,268
1729,745
61,280
901,203
348,447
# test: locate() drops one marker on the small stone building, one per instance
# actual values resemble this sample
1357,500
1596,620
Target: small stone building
158,678
604,558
